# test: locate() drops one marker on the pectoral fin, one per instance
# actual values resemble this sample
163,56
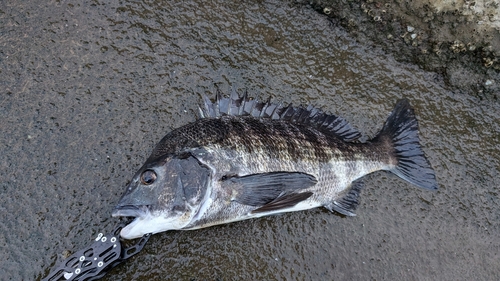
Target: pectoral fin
283,202
266,188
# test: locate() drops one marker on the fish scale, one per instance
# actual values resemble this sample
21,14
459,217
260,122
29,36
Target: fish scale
281,139
245,159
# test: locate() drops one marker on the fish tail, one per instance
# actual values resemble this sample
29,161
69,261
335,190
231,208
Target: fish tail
400,134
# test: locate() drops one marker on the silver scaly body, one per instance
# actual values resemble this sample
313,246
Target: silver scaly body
334,170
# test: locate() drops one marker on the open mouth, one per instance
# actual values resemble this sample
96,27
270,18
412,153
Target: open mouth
143,221
129,211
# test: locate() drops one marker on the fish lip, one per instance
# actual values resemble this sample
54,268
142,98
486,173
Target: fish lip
129,211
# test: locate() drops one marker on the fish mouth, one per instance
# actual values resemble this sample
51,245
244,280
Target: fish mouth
129,211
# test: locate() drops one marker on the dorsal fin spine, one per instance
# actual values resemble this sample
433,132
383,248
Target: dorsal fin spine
311,116
243,103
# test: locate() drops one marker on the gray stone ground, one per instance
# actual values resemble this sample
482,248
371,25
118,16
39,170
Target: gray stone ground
460,40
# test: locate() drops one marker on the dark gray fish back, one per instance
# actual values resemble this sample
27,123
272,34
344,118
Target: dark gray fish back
310,116
244,124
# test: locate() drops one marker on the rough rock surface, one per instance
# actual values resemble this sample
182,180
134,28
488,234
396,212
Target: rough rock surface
460,40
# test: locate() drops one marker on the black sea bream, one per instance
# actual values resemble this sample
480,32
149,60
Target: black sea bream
245,159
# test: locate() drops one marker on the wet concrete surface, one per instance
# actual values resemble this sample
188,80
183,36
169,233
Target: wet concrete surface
88,89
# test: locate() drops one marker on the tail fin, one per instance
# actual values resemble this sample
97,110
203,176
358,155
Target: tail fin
401,129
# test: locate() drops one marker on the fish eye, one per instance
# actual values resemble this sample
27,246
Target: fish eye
148,177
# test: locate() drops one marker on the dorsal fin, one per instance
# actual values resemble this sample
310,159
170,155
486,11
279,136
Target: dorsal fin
237,105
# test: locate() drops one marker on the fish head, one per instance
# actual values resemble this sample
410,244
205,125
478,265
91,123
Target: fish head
165,194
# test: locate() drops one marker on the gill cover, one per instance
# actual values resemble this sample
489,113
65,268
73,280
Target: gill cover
169,189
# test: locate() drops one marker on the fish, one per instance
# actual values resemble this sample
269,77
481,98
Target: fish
245,158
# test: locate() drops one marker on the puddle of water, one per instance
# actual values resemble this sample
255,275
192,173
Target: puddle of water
91,88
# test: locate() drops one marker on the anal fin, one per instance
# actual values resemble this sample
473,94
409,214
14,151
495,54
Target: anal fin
347,204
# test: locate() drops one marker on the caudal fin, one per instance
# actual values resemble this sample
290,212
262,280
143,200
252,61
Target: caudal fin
401,129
